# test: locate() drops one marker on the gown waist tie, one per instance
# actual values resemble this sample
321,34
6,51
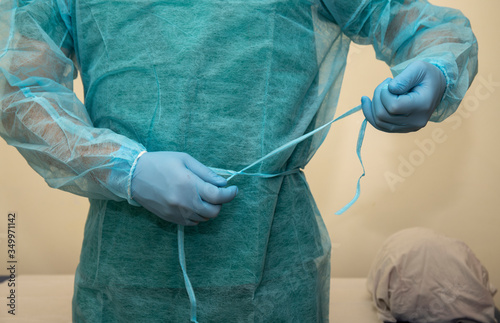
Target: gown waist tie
243,172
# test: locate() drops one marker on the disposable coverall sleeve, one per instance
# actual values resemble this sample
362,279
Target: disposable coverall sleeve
40,114
403,31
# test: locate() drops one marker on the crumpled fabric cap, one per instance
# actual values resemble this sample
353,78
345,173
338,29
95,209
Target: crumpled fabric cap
421,276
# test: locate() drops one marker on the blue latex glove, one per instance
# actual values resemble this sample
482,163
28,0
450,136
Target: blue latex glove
406,103
178,188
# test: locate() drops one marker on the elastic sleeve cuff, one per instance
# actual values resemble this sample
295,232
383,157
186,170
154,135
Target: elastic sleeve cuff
446,77
447,104
129,184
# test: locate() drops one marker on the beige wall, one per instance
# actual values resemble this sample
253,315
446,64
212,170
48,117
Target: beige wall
453,188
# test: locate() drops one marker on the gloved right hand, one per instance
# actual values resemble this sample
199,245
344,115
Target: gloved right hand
178,188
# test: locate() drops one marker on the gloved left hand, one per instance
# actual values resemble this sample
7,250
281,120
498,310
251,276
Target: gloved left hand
406,103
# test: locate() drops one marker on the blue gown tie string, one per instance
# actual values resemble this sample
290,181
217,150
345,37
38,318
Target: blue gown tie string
243,172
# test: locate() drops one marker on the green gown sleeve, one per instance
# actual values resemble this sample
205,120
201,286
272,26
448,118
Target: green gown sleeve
40,114
403,31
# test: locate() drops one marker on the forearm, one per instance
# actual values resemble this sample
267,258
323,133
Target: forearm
404,31
45,121
444,38
66,150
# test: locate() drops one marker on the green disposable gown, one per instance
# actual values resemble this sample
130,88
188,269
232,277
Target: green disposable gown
226,81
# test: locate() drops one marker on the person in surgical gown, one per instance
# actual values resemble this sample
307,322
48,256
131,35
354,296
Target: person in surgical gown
173,88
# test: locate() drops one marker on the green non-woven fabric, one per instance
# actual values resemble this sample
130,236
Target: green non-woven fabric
226,82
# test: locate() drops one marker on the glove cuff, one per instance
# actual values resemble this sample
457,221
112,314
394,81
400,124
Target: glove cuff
129,184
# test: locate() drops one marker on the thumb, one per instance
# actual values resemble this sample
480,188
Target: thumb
412,76
203,172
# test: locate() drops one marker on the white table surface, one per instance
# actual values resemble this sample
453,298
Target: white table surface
351,302
45,298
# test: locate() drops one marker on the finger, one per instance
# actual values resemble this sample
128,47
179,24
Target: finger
377,105
368,111
381,117
200,218
366,105
408,105
216,195
190,223
205,200
204,211
411,76
194,207
204,172
196,211
398,107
